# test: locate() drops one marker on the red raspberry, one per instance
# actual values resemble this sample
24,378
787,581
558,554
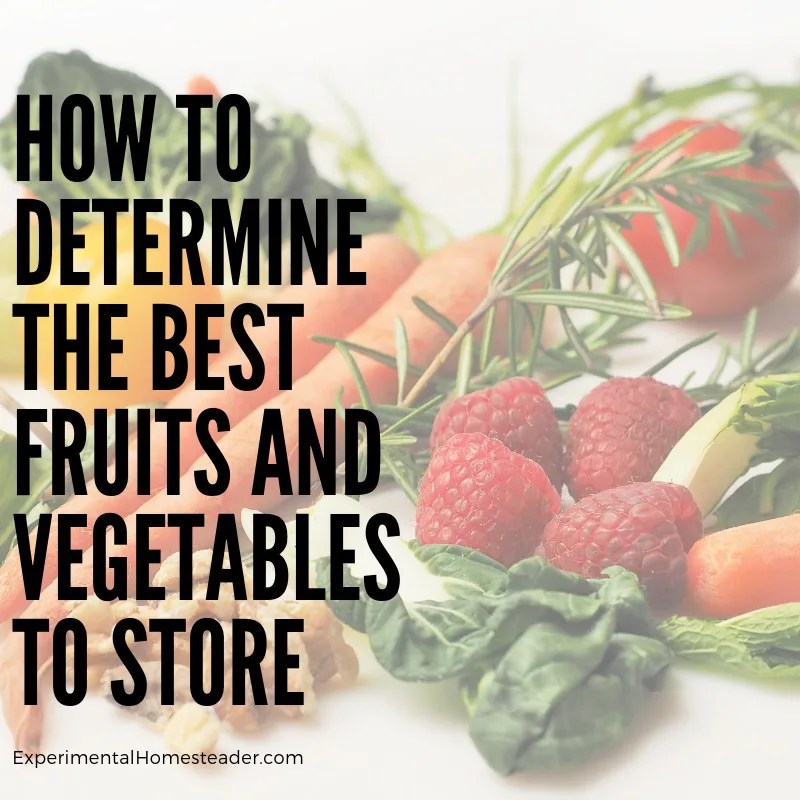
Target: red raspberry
515,411
477,493
622,431
646,528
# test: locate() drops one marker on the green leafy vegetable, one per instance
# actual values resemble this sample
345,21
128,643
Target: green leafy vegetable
573,680
281,162
552,667
760,644
10,502
558,696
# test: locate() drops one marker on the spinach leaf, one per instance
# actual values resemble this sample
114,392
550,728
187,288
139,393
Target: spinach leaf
553,667
462,579
574,680
761,644
349,612
763,496
464,571
768,627
561,693
61,75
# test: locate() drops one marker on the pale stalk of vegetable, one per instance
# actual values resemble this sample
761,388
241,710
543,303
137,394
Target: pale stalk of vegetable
721,446
37,428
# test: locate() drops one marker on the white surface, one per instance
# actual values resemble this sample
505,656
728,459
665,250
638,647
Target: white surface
429,79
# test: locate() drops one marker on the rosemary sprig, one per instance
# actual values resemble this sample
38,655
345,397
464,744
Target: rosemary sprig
593,225
566,252
675,354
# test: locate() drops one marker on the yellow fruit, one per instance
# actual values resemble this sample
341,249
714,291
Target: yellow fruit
135,331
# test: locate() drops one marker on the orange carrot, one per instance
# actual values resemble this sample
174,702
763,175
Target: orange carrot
200,84
330,310
742,569
454,280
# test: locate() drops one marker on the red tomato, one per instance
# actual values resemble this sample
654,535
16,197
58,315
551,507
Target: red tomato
716,281
200,84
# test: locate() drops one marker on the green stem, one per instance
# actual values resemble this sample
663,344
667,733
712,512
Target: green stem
453,342
639,110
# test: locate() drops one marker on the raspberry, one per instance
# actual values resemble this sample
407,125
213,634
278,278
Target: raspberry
646,528
477,493
515,411
622,431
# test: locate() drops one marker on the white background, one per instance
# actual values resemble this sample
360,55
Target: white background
429,79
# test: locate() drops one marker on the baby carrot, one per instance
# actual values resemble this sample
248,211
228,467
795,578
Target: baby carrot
742,569
330,310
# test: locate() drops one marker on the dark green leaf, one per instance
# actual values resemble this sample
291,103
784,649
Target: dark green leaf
445,324
553,667
562,693
350,612
761,644
764,496
363,391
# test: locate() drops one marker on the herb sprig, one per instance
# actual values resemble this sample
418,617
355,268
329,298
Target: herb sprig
566,256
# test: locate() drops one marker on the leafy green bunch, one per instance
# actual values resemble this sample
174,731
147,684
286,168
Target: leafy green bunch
281,164
552,668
